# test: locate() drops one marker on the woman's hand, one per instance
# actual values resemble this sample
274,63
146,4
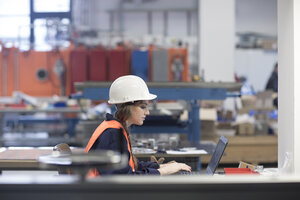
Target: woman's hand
166,164
172,168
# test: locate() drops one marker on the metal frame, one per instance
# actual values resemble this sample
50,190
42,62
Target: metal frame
38,15
191,92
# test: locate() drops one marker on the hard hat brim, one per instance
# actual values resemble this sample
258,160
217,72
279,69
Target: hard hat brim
149,97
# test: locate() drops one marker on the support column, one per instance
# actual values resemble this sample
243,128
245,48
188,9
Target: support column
289,86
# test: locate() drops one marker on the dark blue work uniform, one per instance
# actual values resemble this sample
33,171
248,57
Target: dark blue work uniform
113,139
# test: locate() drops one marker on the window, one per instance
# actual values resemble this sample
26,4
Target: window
51,20
14,21
51,6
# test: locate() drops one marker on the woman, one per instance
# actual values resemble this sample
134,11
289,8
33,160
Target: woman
130,95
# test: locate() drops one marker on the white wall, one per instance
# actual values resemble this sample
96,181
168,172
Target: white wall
217,33
258,16
95,14
256,65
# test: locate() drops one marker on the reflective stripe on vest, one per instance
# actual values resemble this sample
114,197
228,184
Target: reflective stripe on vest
100,129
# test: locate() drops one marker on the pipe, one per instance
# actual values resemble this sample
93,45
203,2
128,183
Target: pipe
16,69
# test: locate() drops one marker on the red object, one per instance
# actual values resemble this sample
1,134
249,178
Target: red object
98,67
239,171
118,64
78,62
21,105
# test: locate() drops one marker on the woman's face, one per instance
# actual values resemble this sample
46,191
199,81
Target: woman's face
138,113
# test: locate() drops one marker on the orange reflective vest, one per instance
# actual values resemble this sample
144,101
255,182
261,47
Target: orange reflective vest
100,129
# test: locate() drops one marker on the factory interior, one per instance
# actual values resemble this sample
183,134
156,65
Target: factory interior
214,67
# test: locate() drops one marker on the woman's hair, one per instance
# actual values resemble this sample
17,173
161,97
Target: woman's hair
122,114
123,111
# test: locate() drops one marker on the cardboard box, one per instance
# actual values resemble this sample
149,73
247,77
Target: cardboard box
208,114
224,125
245,129
226,115
208,128
261,116
264,99
261,127
226,129
211,103
208,117
269,44
248,101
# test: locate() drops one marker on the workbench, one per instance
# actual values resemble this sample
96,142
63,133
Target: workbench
257,149
70,117
25,158
189,91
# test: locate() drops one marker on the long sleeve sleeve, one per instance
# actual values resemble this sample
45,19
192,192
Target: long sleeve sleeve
113,139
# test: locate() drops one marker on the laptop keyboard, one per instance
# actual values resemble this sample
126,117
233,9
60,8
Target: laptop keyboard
189,173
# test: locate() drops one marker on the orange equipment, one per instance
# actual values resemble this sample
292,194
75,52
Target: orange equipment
23,71
178,64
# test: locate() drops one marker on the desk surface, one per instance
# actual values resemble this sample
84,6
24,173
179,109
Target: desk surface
172,154
23,158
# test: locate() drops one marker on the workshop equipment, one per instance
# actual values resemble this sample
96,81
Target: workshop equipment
98,65
159,65
178,64
60,71
140,63
118,64
78,62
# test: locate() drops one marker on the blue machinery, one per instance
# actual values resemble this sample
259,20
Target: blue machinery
29,119
192,92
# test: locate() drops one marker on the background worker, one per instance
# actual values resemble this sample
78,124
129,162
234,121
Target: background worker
130,95
272,83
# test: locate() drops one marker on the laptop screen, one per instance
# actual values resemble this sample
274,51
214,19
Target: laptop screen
217,155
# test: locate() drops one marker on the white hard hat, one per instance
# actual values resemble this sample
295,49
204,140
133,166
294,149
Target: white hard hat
128,89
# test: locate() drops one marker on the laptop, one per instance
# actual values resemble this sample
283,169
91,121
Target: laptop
215,159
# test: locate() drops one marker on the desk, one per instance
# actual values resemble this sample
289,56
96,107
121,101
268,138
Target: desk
26,158
23,158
